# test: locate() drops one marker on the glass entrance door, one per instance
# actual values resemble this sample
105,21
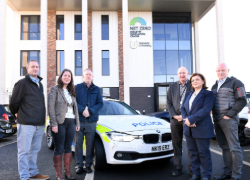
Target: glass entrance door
161,96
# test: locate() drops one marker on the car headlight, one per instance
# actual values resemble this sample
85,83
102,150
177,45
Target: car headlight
122,137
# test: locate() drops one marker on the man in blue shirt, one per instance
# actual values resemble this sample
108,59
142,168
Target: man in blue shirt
89,102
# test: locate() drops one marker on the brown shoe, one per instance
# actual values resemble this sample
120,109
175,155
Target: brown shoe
67,163
39,177
58,167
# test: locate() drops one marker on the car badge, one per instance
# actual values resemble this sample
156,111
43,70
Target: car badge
158,131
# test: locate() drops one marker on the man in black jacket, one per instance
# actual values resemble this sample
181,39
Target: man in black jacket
27,102
175,96
230,99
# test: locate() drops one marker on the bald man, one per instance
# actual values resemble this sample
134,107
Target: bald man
230,99
175,96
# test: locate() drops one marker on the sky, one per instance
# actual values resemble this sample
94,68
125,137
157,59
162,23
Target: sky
236,24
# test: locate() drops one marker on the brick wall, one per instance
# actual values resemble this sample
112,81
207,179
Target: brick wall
90,65
51,49
139,99
120,52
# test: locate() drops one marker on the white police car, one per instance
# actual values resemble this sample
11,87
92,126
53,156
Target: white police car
125,137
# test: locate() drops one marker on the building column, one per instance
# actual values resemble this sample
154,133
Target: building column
125,50
220,31
43,53
51,49
84,35
90,62
3,19
120,56
197,47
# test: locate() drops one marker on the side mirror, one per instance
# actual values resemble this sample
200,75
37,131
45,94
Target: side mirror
138,112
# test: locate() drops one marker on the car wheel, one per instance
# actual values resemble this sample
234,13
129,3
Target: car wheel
99,160
50,140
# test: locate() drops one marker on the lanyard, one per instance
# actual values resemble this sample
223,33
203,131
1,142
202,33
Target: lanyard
182,94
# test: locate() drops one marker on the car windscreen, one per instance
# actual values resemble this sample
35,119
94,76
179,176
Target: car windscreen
2,110
7,108
248,99
116,108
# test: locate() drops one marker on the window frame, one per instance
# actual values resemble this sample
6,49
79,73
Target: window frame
28,56
75,28
75,62
38,24
108,65
58,27
102,27
60,62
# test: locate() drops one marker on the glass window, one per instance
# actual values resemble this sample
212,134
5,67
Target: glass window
105,27
78,27
27,56
171,28
172,44
105,63
106,91
59,27
59,62
30,27
160,78
158,26
78,63
116,108
159,63
159,45
162,98
172,62
185,59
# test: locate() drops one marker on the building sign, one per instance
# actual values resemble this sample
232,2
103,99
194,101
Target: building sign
138,31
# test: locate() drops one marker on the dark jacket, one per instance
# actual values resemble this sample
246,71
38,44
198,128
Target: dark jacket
173,98
230,99
28,102
88,96
58,106
199,114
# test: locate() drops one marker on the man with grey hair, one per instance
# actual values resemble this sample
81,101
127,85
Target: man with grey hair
175,96
230,99
89,102
27,102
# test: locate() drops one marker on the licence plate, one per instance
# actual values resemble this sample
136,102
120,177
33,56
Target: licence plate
14,125
9,131
160,148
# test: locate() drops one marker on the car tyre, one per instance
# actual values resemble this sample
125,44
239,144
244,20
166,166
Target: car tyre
50,140
99,160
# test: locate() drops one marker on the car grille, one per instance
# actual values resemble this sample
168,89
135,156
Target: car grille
166,137
151,138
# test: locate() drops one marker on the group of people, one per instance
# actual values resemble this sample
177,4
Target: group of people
190,106
73,112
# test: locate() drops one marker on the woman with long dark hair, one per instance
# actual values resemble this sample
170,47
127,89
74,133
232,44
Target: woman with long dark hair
64,120
198,127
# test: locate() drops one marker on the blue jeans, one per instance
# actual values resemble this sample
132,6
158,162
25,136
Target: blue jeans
29,141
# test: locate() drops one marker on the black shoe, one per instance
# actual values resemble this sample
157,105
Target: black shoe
177,172
88,169
79,170
223,177
195,177
234,179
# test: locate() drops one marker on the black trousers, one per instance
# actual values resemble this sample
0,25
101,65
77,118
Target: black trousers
177,137
65,136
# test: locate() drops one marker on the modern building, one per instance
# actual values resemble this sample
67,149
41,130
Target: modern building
134,47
